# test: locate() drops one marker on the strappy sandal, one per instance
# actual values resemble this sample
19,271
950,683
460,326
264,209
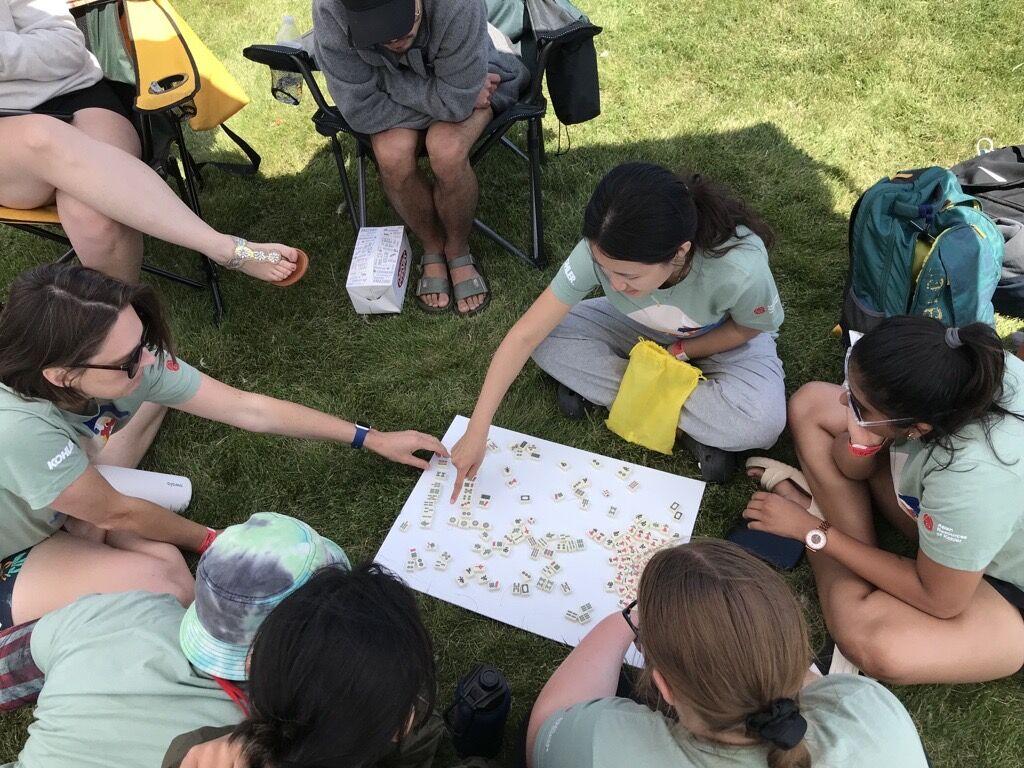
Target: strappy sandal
427,285
776,471
465,289
243,253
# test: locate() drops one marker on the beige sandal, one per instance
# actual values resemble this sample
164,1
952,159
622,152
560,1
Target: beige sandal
776,471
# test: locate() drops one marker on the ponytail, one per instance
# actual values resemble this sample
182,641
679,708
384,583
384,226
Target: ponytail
719,214
797,757
642,212
266,744
915,368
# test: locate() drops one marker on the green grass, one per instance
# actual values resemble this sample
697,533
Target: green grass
798,105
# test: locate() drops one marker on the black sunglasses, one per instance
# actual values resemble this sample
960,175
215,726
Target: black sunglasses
129,366
626,615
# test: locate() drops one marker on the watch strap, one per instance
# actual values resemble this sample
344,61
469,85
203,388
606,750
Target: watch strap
360,436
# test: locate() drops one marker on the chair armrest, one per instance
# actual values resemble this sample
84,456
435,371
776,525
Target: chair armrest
284,58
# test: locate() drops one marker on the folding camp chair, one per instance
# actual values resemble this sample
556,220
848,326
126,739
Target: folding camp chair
542,30
176,80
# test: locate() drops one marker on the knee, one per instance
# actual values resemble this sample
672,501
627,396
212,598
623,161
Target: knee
37,134
806,403
100,231
447,157
170,574
396,160
873,649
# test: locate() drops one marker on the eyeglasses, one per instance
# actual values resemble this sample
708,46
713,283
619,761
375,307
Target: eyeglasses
858,409
129,366
626,615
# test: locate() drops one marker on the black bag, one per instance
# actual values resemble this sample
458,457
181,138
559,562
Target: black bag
572,81
996,178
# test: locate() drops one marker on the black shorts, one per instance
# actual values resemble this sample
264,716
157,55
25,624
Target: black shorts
1013,593
10,567
116,97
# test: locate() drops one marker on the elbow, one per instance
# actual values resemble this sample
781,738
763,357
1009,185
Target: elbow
944,610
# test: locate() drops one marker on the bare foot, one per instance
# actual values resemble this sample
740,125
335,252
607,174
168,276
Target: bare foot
787,489
466,273
261,270
435,300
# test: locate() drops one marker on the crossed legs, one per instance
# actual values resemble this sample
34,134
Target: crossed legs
107,191
884,636
441,216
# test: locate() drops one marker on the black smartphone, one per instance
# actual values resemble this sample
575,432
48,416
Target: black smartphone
779,551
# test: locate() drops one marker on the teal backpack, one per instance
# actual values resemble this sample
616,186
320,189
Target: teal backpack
920,246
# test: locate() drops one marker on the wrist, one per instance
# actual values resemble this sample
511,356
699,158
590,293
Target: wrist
362,432
208,539
678,350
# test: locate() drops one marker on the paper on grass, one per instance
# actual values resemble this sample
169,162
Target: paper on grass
587,571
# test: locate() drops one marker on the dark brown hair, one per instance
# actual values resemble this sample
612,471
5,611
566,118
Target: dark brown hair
58,315
644,212
726,633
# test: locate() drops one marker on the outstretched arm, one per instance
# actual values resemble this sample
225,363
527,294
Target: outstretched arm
513,352
218,401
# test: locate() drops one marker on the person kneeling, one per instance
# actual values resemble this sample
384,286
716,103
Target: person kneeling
727,653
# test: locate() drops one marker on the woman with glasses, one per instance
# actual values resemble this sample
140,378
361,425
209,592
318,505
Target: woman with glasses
681,263
725,678
927,432
81,354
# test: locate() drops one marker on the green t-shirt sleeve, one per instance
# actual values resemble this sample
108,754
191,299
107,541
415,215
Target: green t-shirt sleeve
569,736
755,301
577,277
38,459
968,514
169,381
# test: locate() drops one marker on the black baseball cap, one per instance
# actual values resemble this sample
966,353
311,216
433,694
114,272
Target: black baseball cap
377,21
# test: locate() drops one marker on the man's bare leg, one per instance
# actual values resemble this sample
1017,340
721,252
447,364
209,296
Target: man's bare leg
457,192
411,195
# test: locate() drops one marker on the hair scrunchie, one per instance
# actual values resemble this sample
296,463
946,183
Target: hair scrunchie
781,724
953,338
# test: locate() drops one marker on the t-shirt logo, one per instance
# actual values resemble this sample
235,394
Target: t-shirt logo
929,524
569,274
104,423
909,504
760,310
172,366
57,460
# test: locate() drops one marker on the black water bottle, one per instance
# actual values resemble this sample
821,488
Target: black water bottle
476,718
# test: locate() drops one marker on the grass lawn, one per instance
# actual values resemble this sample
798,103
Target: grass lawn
798,105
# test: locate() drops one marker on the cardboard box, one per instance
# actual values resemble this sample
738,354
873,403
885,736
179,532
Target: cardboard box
379,272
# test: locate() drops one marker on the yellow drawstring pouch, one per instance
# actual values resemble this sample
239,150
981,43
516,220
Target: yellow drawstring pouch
651,395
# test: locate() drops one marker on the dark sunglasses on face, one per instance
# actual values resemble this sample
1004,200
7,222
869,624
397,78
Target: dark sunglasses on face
636,631
129,366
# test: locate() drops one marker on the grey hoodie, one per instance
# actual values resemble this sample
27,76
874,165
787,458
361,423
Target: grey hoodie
438,79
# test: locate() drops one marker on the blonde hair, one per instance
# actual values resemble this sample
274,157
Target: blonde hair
726,633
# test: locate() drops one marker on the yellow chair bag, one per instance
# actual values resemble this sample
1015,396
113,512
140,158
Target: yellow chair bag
651,395
174,66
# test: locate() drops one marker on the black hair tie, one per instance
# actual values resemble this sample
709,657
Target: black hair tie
781,724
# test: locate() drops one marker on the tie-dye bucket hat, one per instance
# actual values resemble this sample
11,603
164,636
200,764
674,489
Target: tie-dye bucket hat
240,579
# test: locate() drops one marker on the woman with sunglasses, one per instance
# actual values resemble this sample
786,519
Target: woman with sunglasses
84,362
927,432
725,679
681,263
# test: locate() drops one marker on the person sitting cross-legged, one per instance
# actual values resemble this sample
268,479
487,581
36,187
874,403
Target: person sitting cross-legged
422,75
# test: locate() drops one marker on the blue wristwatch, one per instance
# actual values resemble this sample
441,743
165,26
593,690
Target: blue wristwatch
360,436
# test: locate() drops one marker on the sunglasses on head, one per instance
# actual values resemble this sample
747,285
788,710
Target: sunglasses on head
858,409
129,366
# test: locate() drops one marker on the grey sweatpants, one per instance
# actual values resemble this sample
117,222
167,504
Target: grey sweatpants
741,406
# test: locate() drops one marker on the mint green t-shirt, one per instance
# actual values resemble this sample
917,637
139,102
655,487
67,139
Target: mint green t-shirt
44,449
852,722
118,688
970,514
738,285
